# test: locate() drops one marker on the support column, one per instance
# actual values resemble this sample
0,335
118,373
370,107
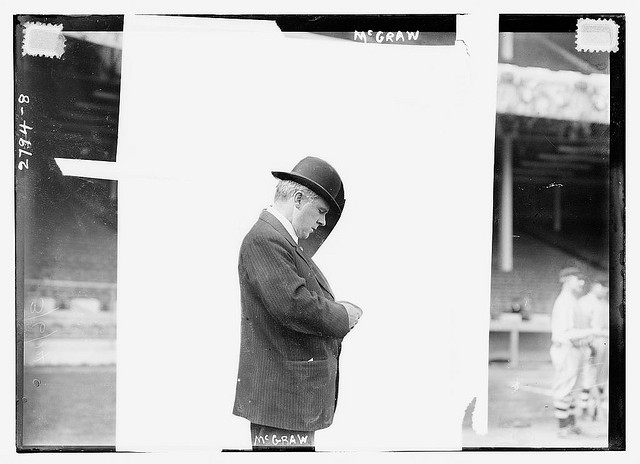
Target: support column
506,46
557,209
506,206
113,192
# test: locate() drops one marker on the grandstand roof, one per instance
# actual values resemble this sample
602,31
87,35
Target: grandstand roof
555,51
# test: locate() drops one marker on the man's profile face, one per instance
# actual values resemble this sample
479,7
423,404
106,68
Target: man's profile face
308,215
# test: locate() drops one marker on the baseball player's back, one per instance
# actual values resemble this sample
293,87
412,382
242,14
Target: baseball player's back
569,332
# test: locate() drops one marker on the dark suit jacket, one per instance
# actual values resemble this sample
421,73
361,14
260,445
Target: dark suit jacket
291,332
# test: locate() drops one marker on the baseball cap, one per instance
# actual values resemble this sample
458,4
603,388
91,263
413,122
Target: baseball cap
571,271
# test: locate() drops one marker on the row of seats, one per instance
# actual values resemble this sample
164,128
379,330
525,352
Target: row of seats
534,277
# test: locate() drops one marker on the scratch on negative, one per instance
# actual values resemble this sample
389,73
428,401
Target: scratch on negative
549,140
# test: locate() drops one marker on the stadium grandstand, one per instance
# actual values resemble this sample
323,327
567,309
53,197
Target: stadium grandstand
70,223
551,193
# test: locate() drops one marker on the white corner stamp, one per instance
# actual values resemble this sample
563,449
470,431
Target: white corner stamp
597,35
43,40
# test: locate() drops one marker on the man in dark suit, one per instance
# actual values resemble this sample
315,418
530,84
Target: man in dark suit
292,327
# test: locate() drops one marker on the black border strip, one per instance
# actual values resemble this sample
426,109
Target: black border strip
338,23
617,238
77,23
342,23
549,22
19,196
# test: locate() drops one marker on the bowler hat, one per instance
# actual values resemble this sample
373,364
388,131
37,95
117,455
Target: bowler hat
317,175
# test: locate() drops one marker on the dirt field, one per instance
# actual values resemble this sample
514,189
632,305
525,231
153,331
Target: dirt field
71,406
76,406
521,413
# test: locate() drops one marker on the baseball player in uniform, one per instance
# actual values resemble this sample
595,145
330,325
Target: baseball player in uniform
570,336
595,306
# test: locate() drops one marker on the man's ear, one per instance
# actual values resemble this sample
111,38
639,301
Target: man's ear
297,199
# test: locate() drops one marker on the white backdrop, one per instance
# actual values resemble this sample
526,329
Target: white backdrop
208,109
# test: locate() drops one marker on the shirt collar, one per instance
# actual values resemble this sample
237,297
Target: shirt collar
284,221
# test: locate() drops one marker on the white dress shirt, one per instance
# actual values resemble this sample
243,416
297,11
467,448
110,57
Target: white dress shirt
284,221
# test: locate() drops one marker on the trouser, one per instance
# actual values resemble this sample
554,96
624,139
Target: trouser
568,362
601,362
264,438
596,379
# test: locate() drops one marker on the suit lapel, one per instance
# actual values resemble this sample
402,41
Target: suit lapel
273,221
